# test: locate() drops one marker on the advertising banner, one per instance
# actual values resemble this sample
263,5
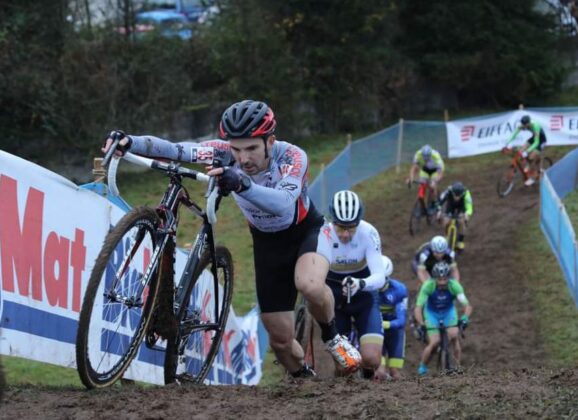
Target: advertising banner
475,136
51,231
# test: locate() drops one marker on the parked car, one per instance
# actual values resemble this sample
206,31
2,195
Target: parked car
194,10
168,22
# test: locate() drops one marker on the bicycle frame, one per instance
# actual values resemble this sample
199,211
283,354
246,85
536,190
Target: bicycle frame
452,231
517,162
175,196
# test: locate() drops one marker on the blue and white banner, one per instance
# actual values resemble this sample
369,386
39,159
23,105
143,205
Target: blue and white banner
51,231
475,136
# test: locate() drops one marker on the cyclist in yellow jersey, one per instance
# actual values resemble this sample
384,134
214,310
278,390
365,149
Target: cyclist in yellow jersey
428,166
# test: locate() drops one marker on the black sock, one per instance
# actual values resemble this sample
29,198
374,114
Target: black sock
328,331
298,372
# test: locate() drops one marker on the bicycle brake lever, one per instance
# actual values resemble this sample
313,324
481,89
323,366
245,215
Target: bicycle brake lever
110,153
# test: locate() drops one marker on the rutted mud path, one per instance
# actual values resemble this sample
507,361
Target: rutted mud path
502,353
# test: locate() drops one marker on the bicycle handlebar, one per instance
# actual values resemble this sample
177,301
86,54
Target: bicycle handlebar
165,167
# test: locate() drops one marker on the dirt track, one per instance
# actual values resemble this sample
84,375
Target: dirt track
502,355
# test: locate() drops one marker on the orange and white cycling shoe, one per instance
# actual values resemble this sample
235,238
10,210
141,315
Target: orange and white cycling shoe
344,353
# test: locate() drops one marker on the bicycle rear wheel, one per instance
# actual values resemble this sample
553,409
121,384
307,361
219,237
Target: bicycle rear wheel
417,214
545,163
190,354
119,299
506,182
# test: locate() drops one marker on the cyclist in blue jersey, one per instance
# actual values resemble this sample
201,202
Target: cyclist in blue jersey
268,179
356,272
392,300
435,302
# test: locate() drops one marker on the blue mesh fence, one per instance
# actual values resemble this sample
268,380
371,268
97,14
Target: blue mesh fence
373,154
560,180
397,144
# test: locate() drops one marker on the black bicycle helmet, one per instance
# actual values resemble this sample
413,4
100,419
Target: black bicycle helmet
441,269
458,189
247,119
525,119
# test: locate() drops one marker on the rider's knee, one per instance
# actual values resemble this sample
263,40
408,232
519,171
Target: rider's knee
280,343
310,287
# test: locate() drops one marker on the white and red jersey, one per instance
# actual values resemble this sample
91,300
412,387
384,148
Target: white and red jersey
278,197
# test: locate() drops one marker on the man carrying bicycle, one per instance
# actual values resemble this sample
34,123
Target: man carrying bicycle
429,164
435,303
356,272
531,150
392,300
429,254
456,202
268,179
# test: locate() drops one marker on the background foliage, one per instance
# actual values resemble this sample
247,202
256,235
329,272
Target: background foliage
325,66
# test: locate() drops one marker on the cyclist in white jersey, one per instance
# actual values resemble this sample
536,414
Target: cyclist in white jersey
356,272
268,179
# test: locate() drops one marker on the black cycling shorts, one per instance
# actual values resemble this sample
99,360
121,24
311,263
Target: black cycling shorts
542,141
275,256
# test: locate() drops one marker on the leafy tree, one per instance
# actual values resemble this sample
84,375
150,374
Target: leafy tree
344,53
32,37
492,51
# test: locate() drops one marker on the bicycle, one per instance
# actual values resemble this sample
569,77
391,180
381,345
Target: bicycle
308,335
517,166
422,208
131,294
446,362
452,231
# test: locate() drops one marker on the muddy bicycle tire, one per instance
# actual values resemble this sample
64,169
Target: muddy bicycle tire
506,182
418,213
304,332
452,234
116,310
190,353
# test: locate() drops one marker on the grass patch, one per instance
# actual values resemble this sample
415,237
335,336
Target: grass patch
556,313
28,372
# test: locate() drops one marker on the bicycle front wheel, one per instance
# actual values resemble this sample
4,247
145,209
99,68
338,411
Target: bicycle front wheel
304,332
119,299
452,234
417,214
190,354
445,362
506,183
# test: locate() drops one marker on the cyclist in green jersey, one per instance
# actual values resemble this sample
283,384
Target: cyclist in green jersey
435,302
531,150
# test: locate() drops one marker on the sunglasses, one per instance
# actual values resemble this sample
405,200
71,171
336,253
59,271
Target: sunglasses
341,228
